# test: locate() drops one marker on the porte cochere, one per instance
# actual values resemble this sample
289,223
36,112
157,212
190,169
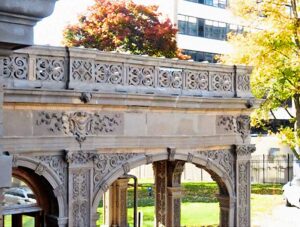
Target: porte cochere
76,121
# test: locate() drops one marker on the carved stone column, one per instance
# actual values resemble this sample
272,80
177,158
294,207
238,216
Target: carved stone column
175,170
168,192
80,188
243,184
160,174
115,204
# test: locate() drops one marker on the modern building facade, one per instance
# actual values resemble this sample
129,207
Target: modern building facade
203,26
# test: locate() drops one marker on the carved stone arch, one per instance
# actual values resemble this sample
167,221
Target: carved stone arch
41,169
135,161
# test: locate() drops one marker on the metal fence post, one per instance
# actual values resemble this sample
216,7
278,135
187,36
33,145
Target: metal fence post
263,168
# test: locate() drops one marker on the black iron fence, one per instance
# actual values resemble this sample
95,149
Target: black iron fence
272,169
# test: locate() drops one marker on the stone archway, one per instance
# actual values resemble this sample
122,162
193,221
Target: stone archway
220,163
37,172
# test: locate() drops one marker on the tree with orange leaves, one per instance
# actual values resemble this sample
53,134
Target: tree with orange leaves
124,26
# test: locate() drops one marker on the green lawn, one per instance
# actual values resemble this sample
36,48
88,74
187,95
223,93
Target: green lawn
200,206
26,221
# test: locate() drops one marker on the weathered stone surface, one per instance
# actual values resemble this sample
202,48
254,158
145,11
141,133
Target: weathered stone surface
124,111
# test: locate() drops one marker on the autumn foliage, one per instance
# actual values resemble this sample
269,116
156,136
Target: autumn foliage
124,26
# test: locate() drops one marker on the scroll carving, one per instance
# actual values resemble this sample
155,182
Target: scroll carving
50,69
81,124
221,158
15,67
106,163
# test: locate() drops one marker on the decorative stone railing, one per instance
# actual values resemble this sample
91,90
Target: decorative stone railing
91,70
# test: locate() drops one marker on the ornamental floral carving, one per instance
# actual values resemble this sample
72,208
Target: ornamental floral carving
109,73
82,70
57,164
106,163
80,204
243,126
50,69
221,158
197,80
15,67
222,82
170,79
141,76
81,124
243,82
228,123
235,124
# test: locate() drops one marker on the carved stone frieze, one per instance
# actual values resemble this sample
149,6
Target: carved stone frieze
109,73
141,76
170,79
222,82
243,82
82,70
81,124
197,80
15,67
51,69
227,122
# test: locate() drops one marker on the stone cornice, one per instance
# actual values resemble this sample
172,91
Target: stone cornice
65,97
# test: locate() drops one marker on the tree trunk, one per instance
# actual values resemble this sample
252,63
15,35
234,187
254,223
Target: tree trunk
296,166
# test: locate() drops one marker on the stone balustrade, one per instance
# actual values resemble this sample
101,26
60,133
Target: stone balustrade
57,68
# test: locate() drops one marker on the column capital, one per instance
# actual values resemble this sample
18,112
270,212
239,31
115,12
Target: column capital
244,150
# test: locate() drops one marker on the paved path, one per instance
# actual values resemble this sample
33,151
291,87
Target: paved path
281,216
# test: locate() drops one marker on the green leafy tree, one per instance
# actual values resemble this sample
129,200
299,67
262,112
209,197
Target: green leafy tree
124,26
272,46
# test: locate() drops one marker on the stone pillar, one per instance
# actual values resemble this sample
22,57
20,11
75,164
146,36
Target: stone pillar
80,188
115,204
224,203
160,175
175,169
168,192
243,184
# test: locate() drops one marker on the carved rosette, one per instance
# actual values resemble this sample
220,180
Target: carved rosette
81,124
